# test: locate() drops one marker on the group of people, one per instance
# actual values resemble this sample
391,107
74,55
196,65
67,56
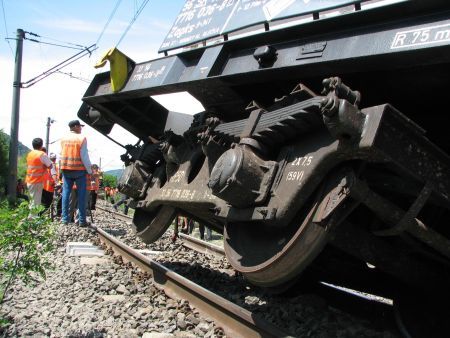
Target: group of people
187,225
75,174
110,195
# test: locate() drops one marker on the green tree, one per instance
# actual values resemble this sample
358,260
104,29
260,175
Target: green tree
109,181
22,167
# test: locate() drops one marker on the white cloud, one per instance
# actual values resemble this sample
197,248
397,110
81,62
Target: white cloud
116,27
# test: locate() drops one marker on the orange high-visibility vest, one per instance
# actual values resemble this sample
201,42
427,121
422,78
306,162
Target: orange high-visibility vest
59,178
57,173
49,182
91,183
35,168
70,152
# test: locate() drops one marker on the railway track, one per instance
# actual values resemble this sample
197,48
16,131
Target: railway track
404,319
115,214
235,321
188,241
201,246
358,305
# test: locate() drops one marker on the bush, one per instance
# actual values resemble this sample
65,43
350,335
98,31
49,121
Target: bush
109,181
25,240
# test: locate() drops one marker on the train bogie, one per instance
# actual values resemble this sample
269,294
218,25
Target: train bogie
286,173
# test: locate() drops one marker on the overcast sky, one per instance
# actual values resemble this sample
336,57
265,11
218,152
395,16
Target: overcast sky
59,96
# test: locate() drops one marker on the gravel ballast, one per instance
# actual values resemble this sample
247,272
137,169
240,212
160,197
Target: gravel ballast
101,297
98,297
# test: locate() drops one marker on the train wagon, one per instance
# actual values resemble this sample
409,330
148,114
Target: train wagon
323,142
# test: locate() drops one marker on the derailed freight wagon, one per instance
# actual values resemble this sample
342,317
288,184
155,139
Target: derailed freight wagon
324,139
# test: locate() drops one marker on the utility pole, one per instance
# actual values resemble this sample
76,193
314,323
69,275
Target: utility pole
47,137
14,134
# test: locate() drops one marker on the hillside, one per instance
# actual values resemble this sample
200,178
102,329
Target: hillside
116,172
22,149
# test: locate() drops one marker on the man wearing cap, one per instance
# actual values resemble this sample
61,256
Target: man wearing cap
74,165
37,164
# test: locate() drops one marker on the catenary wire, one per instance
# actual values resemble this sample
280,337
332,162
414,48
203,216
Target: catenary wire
6,28
54,44
57,67
109,20
144,3
73,76
49,38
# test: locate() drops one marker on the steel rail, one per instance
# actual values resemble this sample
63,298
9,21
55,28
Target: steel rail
234,320
201,246
188,241
118,215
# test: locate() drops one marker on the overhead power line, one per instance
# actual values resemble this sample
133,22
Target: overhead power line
58,67
67,44
6,28
109,20
140,9
48,38
53,44
74,77
83,52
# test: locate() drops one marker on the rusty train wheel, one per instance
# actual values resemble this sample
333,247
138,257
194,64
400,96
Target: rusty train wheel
271,257
151,225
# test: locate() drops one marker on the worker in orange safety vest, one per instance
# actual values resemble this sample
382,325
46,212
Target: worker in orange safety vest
75,164
50,181
92,185
37,164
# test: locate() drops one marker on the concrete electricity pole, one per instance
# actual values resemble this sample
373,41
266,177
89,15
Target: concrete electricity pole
47,137
14,134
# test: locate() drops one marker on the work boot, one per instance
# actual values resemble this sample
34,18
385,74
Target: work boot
84,224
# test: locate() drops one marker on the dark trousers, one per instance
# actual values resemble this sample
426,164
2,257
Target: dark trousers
122,201
59,206
47,198
92,200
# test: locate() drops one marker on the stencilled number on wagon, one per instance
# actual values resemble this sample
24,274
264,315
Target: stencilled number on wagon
302,161
295,175
176,178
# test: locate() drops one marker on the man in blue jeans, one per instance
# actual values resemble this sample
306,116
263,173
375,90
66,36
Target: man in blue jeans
75,164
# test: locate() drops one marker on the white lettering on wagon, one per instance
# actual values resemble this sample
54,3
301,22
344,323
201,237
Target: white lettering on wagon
177,177
145,72
182,194
304,161
295,175
421,36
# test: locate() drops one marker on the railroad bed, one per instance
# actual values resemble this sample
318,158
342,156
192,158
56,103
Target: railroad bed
101,297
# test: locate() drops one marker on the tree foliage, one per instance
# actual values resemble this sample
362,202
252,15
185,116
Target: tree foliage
22,167
109,181
25,239
4,160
